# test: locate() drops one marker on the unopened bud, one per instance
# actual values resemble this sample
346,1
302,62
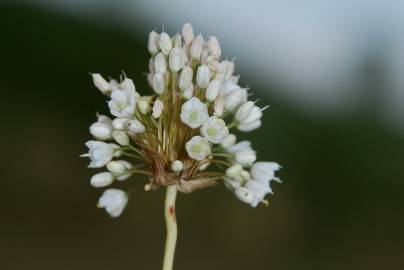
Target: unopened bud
213,90
203,76
158,107
234,170
187,33
120,137
120,123
158,83
189,92
196,47
102,179
228,141
101,83
136,126
153,43
214,47
160,63
185,79
116,167
144,106
176,59
165,43
177,166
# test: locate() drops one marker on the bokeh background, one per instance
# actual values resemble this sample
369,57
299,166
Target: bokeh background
332,72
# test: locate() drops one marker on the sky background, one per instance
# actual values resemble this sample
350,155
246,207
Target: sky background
331,73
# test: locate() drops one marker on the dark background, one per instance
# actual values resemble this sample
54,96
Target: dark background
340,205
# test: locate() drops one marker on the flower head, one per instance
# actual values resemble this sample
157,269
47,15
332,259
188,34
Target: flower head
179,134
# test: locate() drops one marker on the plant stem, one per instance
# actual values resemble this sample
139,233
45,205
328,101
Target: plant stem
171,223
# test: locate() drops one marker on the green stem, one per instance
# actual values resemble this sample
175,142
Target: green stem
171,224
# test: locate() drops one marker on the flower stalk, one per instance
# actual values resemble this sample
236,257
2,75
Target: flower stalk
171,226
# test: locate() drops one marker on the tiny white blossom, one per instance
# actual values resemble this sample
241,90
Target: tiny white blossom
136,126
177,166
176,59
213,90
102,179
188,92
158,108
100,153
245,157
158,83
259,190
240,146
101,83
116,167
153,43
214,129
227,87
234,170
187,33
228,141
250,126
245,195
264,171
214,47
144,106
160,63
165,43
102,129
225,70
120,137
177,39
203,76
196,47
198,148
248,113
234,99
114,201
185,79
194,113
122,103
218,107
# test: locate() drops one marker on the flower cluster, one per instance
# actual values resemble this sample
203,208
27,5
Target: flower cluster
180,134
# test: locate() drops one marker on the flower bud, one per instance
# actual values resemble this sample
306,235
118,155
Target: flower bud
203,76
120,137
160,63
177,41
226,68
245,157
117,150
153,43
214,47
245,195
228,141
227,87
185,79
136,126
213,90
189,92
120,123
158,83
144,106
245,175
101,131
234,99
176,59
114,201
165,43
177,166
158,107
187,33
116,167
101,83
102,179
234,170
196,47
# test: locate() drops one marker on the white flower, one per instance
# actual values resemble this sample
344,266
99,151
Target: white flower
185,79
176,59
213,90
114,201
177,39
177,166
259,190
218,107
234,170
264,171
234,99
120,169
120,137
165,43
158,108
249,127
160,63
214,129
187,33
153,44
144,106
232,183
198,148
102,179
122,103
102,129
248,113
194,113
120,123
245,157
196,47
226,69
214,47
136,126
100,153
227,87
101,83
158,83
203,76
240,146
228,141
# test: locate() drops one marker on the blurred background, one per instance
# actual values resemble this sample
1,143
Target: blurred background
332,73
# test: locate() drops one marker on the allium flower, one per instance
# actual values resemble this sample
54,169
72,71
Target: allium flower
177,136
